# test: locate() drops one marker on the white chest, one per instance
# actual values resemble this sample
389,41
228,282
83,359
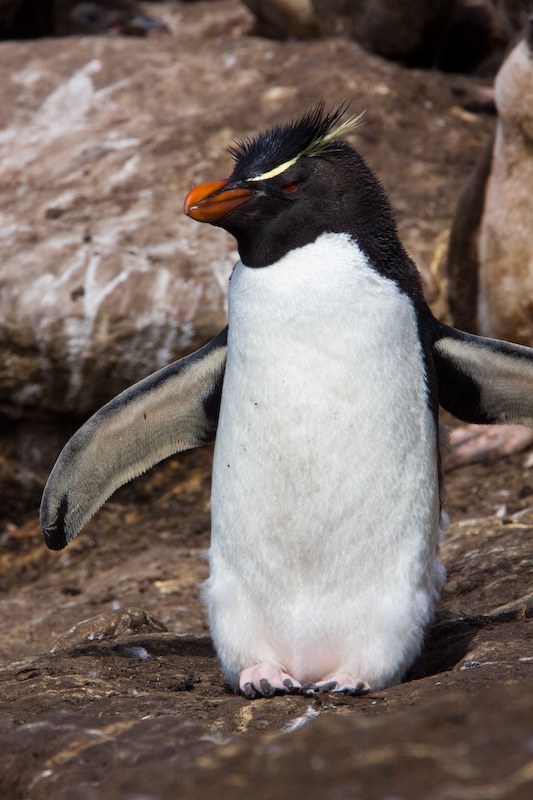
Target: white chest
324,428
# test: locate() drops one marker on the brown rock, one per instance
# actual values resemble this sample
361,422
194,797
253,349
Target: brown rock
99,285
284,18
412,31
455,35
109,625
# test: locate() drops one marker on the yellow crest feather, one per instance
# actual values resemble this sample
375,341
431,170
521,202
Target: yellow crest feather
315,148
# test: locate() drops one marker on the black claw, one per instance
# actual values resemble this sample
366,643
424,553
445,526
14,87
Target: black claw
328,687
353,691
291,688
267,690
288,684
249,691
309,689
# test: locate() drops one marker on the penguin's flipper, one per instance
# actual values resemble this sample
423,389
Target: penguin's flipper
483,380
174,409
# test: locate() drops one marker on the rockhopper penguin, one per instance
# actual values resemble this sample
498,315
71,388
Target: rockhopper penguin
325,386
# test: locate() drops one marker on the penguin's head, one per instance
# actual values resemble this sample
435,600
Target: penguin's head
293,183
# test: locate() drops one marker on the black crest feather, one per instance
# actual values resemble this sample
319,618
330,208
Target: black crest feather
311,134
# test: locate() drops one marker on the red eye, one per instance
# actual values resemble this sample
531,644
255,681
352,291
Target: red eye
290,187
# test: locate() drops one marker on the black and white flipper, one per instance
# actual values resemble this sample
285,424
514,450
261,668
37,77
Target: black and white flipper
172,410
483,380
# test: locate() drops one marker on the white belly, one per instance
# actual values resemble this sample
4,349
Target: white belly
325,505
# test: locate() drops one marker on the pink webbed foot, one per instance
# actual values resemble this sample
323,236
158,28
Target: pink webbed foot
472,443
341,683
266,679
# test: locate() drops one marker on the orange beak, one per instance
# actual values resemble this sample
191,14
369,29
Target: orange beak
208,203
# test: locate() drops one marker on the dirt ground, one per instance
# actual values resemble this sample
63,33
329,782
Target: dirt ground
132,702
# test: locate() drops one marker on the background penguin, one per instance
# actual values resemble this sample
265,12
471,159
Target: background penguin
326,384
33,19
490,257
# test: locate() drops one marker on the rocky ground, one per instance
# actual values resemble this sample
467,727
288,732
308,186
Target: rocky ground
109,685
132,703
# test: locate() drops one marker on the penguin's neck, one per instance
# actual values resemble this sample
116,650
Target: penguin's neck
321,301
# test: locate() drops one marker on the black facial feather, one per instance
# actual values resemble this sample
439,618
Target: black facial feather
258,155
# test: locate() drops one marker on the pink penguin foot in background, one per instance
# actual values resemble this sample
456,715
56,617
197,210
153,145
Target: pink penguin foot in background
472,443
